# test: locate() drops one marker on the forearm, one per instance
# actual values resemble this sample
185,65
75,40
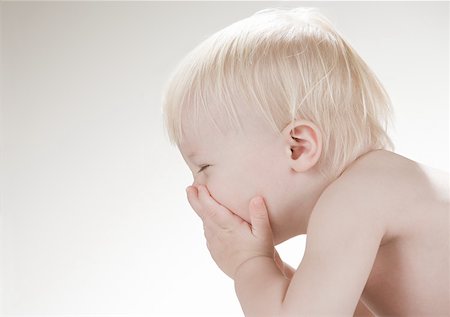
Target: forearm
260,287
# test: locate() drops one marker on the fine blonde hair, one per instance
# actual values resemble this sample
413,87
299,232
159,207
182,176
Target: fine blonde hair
284,64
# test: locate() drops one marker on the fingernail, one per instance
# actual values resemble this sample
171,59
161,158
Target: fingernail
258,202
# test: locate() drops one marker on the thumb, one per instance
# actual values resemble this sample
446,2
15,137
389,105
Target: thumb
278,260
260,219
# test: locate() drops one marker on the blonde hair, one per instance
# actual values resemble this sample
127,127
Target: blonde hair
285,64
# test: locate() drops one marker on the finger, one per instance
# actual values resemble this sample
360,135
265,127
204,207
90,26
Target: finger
286,269
208,232
215,212
192,196
277,259
260,219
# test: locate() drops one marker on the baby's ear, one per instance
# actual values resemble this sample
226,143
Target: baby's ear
303,144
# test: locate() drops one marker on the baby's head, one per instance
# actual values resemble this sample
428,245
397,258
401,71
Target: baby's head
278,105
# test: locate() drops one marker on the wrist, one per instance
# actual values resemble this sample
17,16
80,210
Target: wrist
260,286
252,260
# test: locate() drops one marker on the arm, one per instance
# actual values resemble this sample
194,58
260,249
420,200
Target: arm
343,238
235,244
285,268
362,310
281,267
260,287
343,235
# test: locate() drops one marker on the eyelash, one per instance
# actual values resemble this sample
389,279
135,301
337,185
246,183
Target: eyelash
202,168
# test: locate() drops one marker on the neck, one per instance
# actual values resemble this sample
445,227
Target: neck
311,185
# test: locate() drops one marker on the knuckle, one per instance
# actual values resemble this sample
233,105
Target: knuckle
207,233
211,212
208,245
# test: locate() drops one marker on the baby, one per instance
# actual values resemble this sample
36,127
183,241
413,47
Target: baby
284,128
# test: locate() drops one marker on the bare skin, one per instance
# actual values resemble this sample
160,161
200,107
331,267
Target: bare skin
377,236
410,276
418,234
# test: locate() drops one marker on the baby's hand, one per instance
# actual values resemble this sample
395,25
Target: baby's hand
230,239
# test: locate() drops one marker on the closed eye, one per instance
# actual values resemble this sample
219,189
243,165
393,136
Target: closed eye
202,168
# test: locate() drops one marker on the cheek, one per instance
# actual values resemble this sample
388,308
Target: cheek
231,193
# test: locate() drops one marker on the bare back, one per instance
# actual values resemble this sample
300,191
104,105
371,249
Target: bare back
410,275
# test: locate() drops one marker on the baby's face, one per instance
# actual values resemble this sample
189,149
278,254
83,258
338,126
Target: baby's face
237,167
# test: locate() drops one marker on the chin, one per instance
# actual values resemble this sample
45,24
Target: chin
275,243
279,240
243,217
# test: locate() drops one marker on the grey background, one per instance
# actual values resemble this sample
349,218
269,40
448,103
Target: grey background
94,218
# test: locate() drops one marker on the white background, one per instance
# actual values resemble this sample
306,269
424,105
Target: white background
94,218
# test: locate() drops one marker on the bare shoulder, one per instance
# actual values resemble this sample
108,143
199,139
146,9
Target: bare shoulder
344,233
391,169
407,203
365,192
376,178
399,189
407,184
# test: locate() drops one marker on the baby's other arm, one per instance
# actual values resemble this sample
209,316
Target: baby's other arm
285,268
361,309
343,237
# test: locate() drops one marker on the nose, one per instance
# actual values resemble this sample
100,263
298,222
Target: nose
197,183
196,180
